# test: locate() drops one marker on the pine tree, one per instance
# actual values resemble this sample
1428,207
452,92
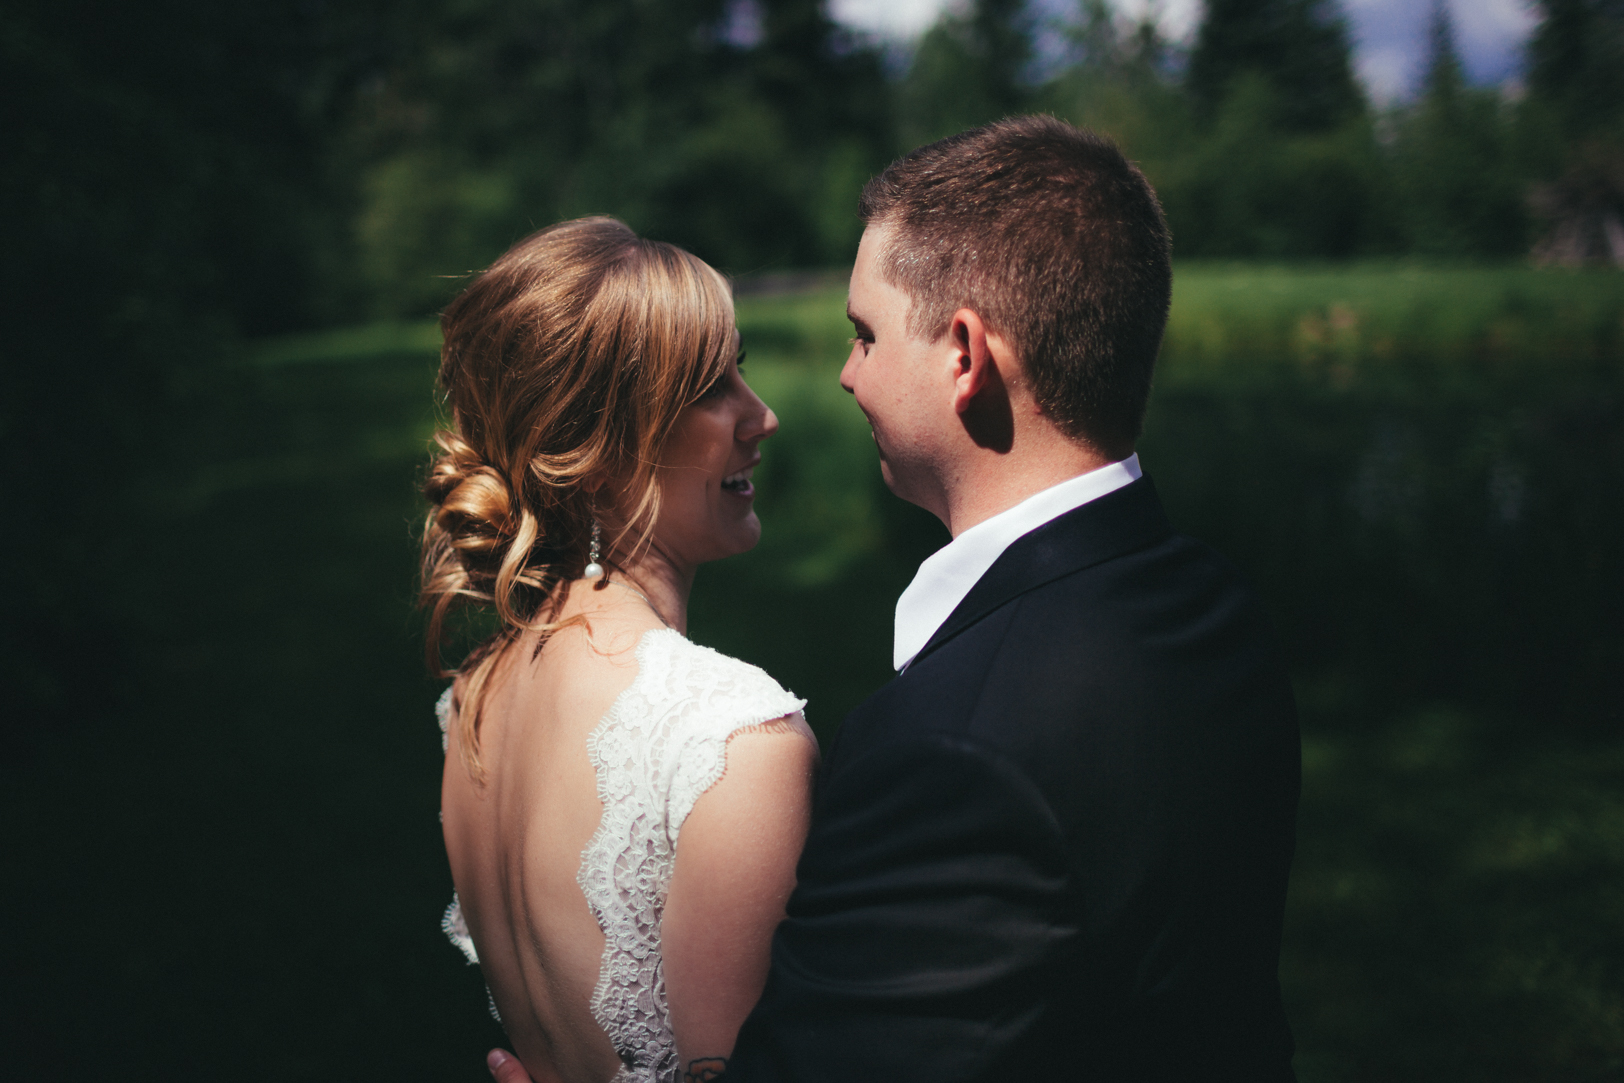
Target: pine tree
1444,79
1299,48
1283,162
1576,63
969,69
1120,84
1460,194
1573,130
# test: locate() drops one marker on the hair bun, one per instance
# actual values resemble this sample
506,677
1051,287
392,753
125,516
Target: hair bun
473,502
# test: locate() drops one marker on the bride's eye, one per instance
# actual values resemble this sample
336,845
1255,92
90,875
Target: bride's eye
714,389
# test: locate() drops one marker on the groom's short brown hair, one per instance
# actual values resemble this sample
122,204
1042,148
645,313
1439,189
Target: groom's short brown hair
1057,241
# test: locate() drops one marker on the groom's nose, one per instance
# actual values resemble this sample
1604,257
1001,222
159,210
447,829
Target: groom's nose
848,371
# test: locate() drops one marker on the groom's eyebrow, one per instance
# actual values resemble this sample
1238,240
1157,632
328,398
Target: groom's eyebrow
856,320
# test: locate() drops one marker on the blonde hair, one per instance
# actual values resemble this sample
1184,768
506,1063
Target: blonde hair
565,365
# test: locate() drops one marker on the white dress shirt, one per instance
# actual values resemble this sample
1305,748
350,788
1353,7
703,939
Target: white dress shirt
947,575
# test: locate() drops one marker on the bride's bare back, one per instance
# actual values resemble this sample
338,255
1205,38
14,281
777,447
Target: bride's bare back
516,846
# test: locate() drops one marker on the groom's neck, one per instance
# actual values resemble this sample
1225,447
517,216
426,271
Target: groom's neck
984,483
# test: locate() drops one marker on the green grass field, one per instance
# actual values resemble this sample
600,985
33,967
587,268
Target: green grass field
1419,468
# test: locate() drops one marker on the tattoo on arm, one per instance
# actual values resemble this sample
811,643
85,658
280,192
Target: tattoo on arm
704,1070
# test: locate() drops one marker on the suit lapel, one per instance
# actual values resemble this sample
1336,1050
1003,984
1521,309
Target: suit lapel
1123,521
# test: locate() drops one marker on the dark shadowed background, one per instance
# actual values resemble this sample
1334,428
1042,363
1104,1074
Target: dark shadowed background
1392,391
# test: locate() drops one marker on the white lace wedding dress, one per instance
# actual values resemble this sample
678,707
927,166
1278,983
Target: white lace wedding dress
660,746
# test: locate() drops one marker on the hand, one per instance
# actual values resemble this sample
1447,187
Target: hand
505,1067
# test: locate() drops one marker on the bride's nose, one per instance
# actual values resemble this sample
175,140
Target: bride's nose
758,422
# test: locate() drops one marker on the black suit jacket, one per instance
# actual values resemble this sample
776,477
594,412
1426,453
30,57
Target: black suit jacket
1056,847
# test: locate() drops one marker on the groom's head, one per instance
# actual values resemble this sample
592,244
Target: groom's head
1055,241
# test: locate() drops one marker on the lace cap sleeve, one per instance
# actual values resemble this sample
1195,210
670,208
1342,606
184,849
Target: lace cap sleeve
725,696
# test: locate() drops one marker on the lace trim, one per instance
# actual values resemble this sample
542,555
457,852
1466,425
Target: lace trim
442,711
456,930
660,746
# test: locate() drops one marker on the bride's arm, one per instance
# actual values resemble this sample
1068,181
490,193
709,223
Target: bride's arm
735,868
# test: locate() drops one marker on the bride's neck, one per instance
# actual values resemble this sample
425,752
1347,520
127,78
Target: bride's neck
663,584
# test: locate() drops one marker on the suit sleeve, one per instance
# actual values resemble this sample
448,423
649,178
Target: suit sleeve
931,911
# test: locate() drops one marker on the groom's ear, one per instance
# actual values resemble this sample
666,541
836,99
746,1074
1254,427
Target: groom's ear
983,363
967,334
982,357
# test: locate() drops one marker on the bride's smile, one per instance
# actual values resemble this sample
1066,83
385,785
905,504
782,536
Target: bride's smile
739,484
707,491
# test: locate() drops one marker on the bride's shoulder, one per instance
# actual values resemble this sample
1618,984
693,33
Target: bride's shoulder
724,717
715,683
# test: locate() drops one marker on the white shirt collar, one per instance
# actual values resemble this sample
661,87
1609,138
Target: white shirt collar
947,575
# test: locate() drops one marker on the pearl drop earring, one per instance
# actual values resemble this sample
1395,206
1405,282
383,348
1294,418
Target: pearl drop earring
593,569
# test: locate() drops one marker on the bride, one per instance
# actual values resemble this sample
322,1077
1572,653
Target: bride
622,808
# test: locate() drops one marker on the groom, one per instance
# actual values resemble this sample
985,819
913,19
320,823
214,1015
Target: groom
1056,845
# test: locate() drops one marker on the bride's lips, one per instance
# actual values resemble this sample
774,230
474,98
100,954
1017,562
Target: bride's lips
739,484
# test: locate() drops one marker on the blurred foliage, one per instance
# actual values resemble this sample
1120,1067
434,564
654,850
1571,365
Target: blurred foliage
1454,903
163,193
1299,48
968,69
735,131
1452,161
239,869
1572,135
1431,461
1576,64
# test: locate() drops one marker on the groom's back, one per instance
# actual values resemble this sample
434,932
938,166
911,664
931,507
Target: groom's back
1059,841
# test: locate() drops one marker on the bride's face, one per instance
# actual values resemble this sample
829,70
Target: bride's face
706,496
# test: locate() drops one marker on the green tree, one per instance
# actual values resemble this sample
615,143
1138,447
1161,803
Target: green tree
1120,83
969,68
1299,48
1284,162
498,116
1247,189
1460,194
1572,130
804,116
1576,65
